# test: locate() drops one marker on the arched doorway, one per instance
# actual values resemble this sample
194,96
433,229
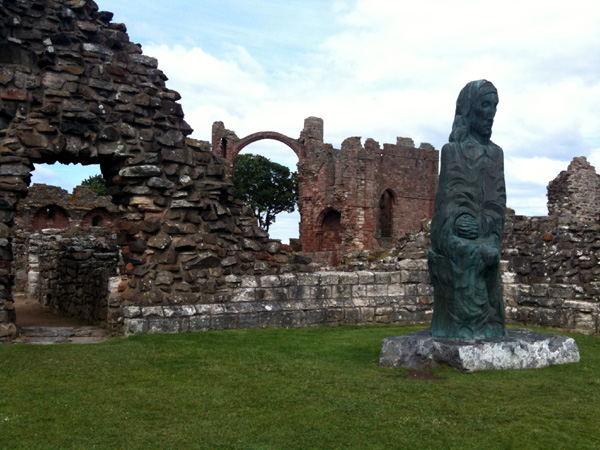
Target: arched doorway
330,231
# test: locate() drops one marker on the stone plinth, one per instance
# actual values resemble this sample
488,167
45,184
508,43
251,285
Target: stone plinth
521,349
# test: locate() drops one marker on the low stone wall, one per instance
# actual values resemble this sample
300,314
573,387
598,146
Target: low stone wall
298,300
70,271
552,275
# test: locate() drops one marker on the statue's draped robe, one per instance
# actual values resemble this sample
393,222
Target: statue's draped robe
467,290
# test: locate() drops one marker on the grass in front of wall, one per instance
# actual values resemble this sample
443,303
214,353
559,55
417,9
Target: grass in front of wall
311,388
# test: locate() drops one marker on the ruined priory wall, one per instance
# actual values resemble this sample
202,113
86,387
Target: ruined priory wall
73,88
353,179
412,175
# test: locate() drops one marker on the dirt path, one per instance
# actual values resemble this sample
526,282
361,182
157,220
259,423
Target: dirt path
39,325
31,314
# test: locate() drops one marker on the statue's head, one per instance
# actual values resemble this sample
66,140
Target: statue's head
475,111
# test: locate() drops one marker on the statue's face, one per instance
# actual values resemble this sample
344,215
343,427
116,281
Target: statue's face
482,115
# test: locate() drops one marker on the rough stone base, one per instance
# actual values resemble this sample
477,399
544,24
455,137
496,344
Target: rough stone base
521,349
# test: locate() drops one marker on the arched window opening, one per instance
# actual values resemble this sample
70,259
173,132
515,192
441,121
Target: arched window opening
385,218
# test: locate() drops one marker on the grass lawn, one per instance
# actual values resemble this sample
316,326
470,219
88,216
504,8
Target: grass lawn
307,388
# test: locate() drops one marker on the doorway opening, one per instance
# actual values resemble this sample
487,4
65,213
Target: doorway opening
64,249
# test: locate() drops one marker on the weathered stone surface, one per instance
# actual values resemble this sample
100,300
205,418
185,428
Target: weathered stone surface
520,349
140,171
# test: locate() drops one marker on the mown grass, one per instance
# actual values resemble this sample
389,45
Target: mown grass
316,388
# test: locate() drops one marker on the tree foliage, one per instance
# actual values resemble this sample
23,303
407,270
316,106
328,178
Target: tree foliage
97,184
267,187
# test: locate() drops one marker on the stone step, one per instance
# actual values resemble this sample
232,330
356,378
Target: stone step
62,335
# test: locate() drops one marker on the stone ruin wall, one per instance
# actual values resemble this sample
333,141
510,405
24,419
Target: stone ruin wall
574,195
550,272
73,88
354,198
552,276
53,207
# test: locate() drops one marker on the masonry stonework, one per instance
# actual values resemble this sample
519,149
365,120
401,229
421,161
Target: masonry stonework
188,256
74,88
574,195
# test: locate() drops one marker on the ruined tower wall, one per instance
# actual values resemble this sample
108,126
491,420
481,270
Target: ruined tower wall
574,195
412,175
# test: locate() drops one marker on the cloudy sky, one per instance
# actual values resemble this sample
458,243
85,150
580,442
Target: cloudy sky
382,69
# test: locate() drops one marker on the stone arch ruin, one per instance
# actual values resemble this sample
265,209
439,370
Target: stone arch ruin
351,180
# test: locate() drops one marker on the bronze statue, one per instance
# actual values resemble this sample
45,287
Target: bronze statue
468,223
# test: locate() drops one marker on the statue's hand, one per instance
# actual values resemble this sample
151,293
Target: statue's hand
466,227
490,255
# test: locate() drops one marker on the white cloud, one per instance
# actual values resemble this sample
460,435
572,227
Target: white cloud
533,170
383,69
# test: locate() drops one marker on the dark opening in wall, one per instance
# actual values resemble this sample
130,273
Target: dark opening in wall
331,231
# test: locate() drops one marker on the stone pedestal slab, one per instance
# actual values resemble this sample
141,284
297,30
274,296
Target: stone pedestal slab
521,349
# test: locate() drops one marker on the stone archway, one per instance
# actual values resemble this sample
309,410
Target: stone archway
291,143
98,217
330,230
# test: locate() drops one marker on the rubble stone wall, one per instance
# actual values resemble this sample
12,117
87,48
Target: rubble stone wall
552,276
70,271
574,195
74,88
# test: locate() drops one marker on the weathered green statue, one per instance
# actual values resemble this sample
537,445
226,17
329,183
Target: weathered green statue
468,222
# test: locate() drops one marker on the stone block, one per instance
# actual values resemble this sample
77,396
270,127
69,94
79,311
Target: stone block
223,322
269,281
130,312
308,279
243,295
199,323
521,349
148,311
348,278
135,326
159,326
329,278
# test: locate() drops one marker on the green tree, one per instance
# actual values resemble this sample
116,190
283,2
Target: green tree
97,184
265,186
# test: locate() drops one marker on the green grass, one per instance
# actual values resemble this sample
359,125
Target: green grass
284,389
